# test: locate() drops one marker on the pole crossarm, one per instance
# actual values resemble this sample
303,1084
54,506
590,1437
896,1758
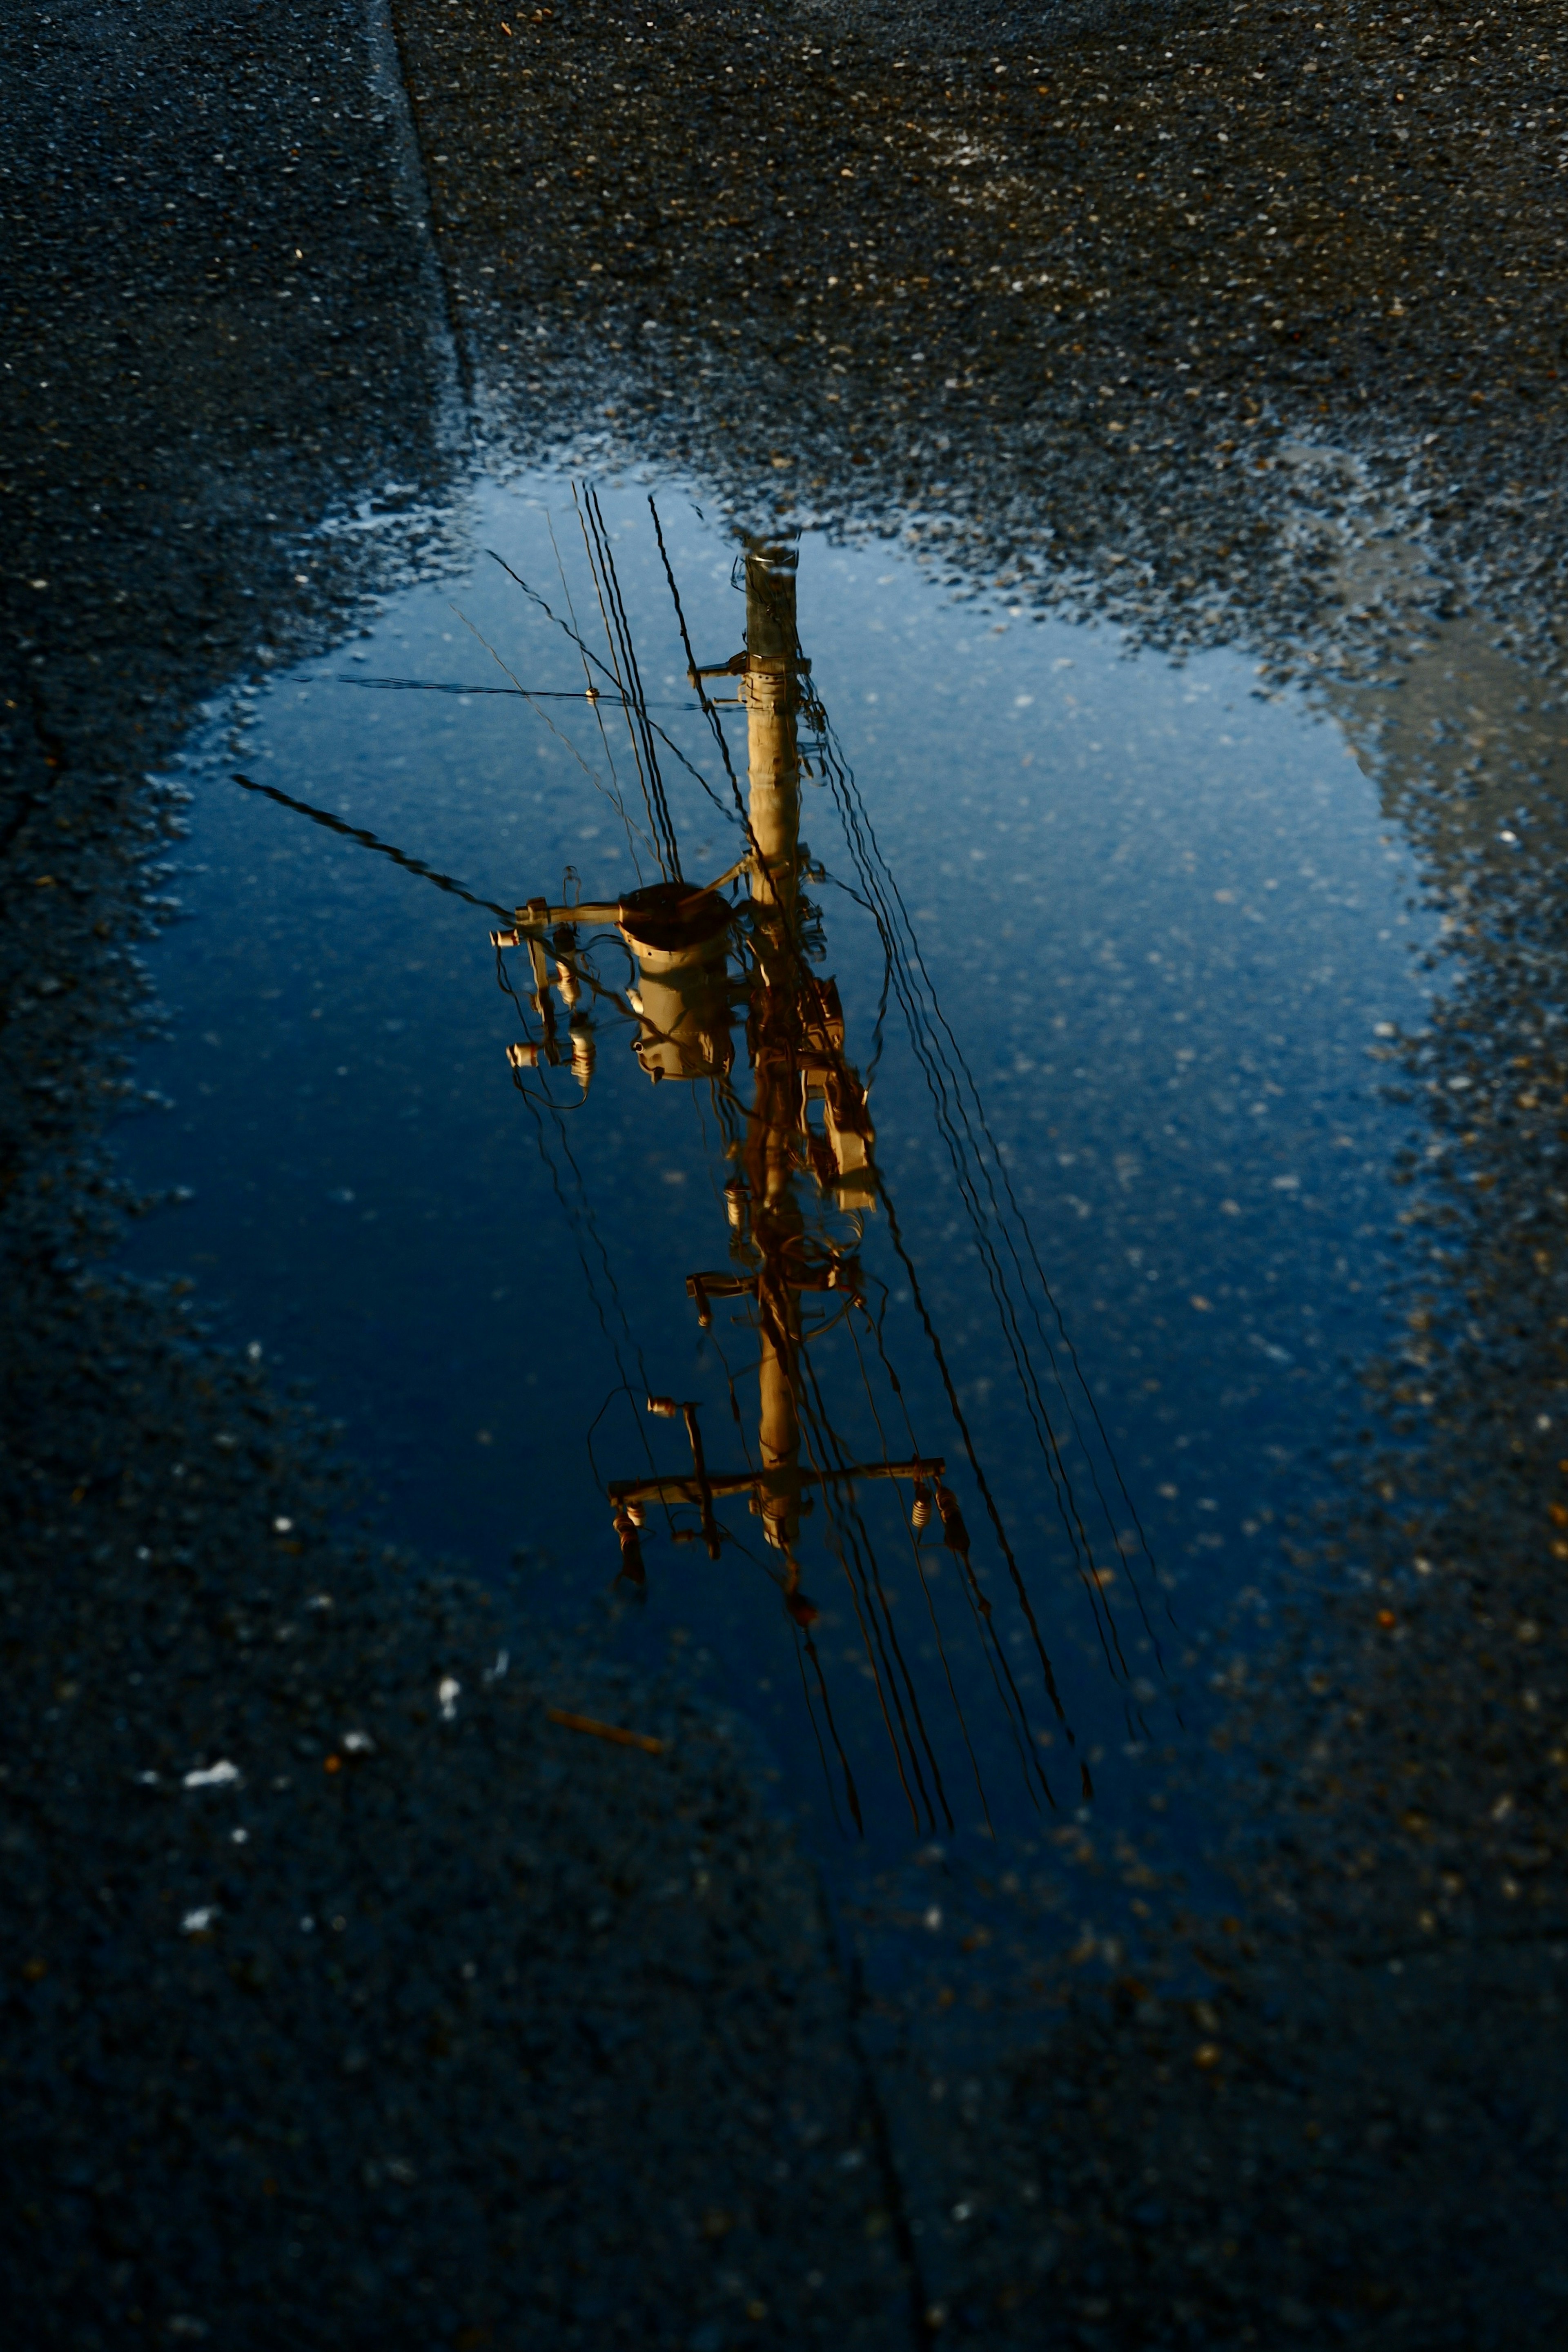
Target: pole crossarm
799,1274
688,1488
745,664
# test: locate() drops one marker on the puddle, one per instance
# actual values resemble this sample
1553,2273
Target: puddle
1029,1120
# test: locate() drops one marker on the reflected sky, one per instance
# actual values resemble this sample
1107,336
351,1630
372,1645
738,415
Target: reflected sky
1126,1109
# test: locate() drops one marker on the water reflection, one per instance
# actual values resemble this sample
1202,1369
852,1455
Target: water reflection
799,1149
1080,976
1450,1523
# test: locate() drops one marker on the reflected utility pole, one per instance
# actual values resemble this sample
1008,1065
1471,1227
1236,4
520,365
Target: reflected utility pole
807,1114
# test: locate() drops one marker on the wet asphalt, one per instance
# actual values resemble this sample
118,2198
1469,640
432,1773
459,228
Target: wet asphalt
1129,306
1178,317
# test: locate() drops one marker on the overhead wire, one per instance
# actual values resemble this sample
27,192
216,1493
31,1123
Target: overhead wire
919,1566
582,1221
1003,1243
623,658
994,1159
948,1077
815,1417
588,679
612,795
620,701
371,841
890,942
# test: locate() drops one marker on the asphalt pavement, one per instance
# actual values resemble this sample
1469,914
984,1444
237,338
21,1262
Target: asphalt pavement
350,1998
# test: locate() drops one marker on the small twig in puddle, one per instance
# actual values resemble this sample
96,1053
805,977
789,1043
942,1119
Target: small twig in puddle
611,1731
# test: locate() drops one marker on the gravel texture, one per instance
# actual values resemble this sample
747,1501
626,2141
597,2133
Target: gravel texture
1145,309
350,1997
578,2066
924,261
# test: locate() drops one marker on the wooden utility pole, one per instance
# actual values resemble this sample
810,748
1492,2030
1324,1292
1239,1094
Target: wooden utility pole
807,1114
